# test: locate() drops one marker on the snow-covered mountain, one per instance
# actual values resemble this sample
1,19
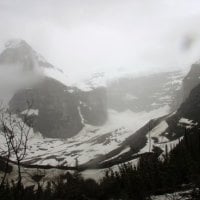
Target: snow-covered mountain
61,109
100,124
163,132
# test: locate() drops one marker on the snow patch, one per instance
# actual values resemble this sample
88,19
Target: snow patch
70,90
187,123
81,116
92,141
30,112
155,133
130,97
182,195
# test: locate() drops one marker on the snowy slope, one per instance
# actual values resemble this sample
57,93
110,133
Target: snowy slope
162,133
91,142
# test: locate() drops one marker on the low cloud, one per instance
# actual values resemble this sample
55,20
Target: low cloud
82,37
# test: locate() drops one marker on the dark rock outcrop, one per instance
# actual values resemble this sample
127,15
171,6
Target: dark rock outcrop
191,80
93,105
58,114
61,113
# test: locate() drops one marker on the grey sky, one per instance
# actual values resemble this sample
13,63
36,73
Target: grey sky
82,36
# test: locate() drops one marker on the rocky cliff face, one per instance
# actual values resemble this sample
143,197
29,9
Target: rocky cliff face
93,106
58,114
191,80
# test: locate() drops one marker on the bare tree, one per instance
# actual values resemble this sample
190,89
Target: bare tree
5,149
15,132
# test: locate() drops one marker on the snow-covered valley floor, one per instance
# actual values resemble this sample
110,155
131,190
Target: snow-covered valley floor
90,142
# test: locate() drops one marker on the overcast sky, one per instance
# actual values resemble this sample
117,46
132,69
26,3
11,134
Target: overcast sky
83,36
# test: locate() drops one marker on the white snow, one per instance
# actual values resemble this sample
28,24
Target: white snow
162,142
91,141
167,97
17,126
173,196
81,116
156,133
130,97
160,128
70,90
127,149
30,112
185,121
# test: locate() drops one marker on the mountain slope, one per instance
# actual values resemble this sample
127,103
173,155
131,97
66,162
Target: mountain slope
163,131
58,115
61,110
91,126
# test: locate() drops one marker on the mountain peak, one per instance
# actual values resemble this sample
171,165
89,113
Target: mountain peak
18,51
16,43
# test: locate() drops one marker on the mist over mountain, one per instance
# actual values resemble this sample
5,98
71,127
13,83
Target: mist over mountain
90,37
102,124
63,110
107,114
99,100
